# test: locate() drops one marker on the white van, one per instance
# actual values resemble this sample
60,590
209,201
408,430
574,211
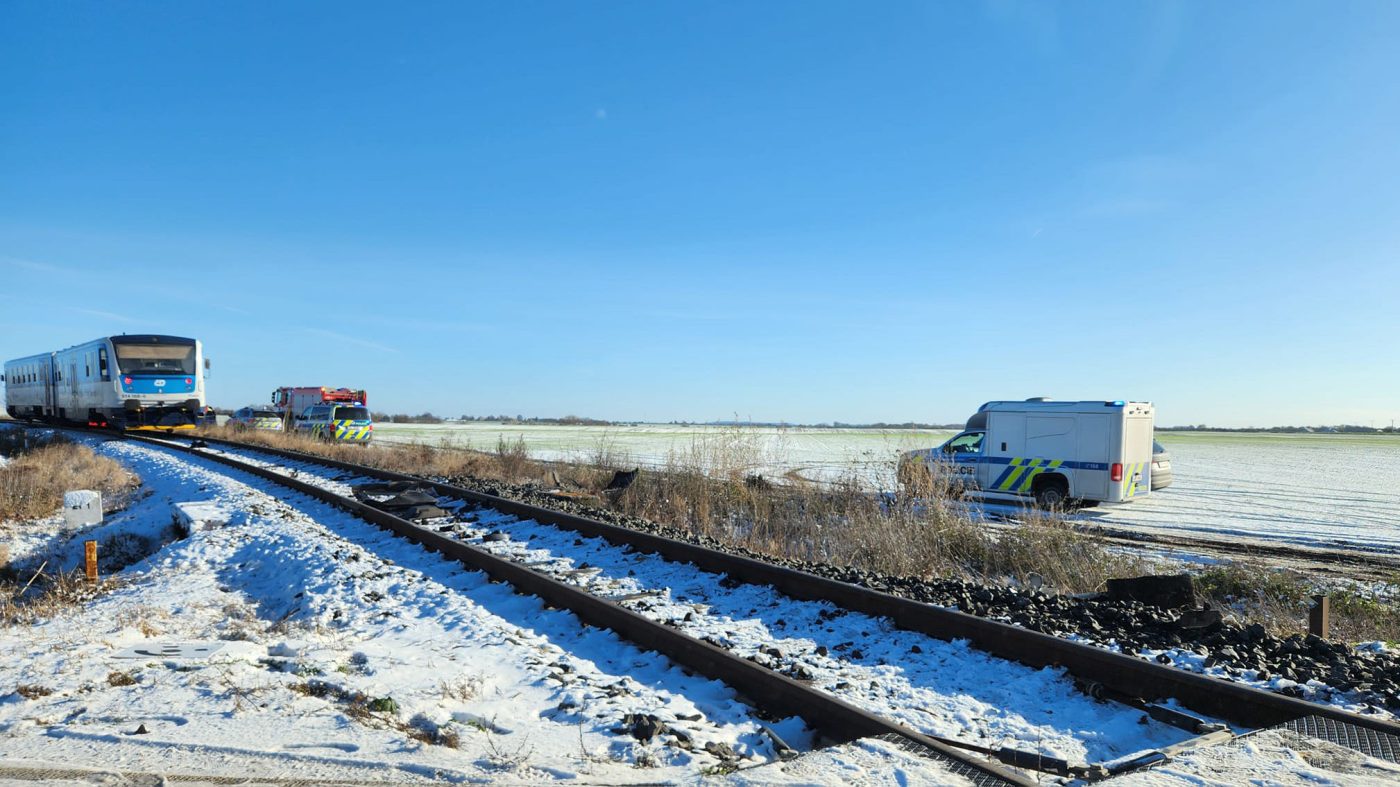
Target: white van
1055,453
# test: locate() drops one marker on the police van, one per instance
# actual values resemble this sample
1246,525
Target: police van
1054,453
347,423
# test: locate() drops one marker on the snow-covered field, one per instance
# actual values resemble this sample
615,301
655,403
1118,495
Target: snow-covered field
1314,490
1317,490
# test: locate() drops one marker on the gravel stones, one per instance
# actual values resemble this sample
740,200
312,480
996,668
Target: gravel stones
1318,669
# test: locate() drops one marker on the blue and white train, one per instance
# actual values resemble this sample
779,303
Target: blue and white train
127,382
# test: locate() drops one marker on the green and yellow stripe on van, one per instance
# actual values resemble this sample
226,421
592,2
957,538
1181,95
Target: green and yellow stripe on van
1132,479
346,431
1020,472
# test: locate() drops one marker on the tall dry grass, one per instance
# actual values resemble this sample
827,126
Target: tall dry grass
42,468
917,531
26,600
713,487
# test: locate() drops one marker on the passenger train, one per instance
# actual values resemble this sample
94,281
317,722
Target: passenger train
126,382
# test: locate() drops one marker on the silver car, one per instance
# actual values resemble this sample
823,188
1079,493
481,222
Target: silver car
256,418
1161,467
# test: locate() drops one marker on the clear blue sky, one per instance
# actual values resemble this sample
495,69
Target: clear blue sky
806,211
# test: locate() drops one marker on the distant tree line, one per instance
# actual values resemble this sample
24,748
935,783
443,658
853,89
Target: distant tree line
429,418
1339,429
567,420
831,425
403,418
576,420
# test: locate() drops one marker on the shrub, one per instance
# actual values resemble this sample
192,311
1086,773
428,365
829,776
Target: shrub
41,469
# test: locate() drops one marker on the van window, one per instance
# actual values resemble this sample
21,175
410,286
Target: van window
351,414
965,444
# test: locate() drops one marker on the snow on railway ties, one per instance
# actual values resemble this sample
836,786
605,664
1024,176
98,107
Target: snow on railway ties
945,690
298,563
1025,646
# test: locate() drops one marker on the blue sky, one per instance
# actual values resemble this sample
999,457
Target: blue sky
784,211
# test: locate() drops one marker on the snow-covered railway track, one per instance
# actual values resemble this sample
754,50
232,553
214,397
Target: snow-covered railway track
1128,680
1036,719
783,676
759,686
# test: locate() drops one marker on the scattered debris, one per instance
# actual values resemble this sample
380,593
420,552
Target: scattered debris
1168,592
620,481
402,499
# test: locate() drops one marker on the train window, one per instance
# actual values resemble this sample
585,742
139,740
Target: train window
102,363
155,358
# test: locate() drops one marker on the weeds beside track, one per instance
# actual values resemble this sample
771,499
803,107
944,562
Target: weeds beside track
710,489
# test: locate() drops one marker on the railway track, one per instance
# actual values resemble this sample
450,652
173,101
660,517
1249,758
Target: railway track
1132,683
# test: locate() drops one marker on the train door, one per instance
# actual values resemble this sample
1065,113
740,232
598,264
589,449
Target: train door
50,387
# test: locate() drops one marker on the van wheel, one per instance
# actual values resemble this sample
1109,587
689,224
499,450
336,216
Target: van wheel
1052,494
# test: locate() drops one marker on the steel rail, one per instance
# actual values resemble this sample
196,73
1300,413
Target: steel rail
1109,673
764,688
1127,675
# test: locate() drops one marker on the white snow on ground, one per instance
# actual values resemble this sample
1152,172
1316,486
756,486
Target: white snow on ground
531,695
291,600
940,688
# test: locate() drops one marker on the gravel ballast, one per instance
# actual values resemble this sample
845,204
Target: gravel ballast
1365,679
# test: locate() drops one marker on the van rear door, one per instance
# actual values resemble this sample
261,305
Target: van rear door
1137,452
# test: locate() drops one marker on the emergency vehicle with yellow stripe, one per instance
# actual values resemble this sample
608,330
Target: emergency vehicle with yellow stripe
1055,453
338,414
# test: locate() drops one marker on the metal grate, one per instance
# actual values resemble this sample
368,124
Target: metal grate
978,777
1381,745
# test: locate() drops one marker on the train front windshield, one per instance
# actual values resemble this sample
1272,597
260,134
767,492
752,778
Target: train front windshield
148,358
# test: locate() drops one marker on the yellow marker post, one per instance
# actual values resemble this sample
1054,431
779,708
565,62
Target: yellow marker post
90,550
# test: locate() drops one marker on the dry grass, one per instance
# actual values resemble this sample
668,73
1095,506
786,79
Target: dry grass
115,678
1280,600
41,469
712,488
31,691
464,688
26,600
510,462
